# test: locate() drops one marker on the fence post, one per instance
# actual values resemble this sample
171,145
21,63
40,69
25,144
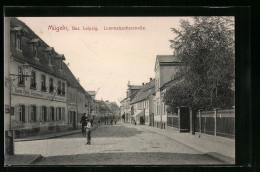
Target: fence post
199,120
191,121
215,125
179,118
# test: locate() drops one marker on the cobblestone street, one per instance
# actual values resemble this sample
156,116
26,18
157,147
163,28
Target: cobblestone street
114,145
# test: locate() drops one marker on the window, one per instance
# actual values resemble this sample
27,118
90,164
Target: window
52,114
58,113
33,113
21,110
43,83
51,85
33,80
44,113
61,65
63,89
50,59
12,110
18,42
34,51
59,88
20,76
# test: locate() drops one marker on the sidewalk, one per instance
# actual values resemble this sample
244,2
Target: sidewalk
52,135
21,159
218,147
27,159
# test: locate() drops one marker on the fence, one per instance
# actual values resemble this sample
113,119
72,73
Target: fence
173,120
217,122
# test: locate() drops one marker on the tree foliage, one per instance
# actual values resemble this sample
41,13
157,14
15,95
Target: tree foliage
205,48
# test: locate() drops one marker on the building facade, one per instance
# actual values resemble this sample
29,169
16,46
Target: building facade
164,65
44,94
38,86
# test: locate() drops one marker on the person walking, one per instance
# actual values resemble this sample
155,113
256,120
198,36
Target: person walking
83,123
88,128
91,121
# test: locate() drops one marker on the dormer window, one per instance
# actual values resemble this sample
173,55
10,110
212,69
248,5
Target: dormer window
61,65
50,59
20,76
18,41
34,51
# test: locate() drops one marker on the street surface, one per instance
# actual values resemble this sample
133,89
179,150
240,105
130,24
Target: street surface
114,145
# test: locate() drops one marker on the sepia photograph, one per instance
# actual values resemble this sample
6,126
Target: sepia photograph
144,90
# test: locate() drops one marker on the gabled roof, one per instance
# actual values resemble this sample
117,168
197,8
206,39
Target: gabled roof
144,92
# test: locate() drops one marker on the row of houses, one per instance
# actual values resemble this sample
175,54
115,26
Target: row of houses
144,103
45,96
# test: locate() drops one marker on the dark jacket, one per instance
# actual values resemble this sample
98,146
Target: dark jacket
83,120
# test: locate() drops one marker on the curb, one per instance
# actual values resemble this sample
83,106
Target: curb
38,158
51,137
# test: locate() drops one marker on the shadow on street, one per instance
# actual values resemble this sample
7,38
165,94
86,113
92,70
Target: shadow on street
133,158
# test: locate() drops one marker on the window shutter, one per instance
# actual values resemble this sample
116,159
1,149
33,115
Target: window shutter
56,116
16,113
37,113
27,112
63,114
48,113
40,113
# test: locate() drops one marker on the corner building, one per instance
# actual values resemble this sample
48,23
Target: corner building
38,83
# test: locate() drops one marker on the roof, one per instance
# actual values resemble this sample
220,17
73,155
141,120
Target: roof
92,93
166,58
135,87
42,63
144,92
27,57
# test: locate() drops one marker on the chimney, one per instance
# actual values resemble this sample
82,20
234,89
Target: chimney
128,83
151,79
143,84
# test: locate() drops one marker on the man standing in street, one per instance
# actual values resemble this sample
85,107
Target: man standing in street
83,123
88,128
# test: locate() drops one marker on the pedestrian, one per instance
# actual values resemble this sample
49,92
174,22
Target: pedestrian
115,122
91,121
111,121
83,123
88,129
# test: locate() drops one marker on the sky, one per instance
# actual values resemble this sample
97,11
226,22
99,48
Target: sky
108,59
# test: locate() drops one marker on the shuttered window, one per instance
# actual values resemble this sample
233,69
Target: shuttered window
21,111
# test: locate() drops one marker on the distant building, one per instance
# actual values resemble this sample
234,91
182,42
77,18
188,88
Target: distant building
92,94
142,105
130,95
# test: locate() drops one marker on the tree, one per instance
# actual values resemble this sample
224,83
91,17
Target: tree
206,51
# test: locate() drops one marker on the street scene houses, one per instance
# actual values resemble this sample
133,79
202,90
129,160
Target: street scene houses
159,120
